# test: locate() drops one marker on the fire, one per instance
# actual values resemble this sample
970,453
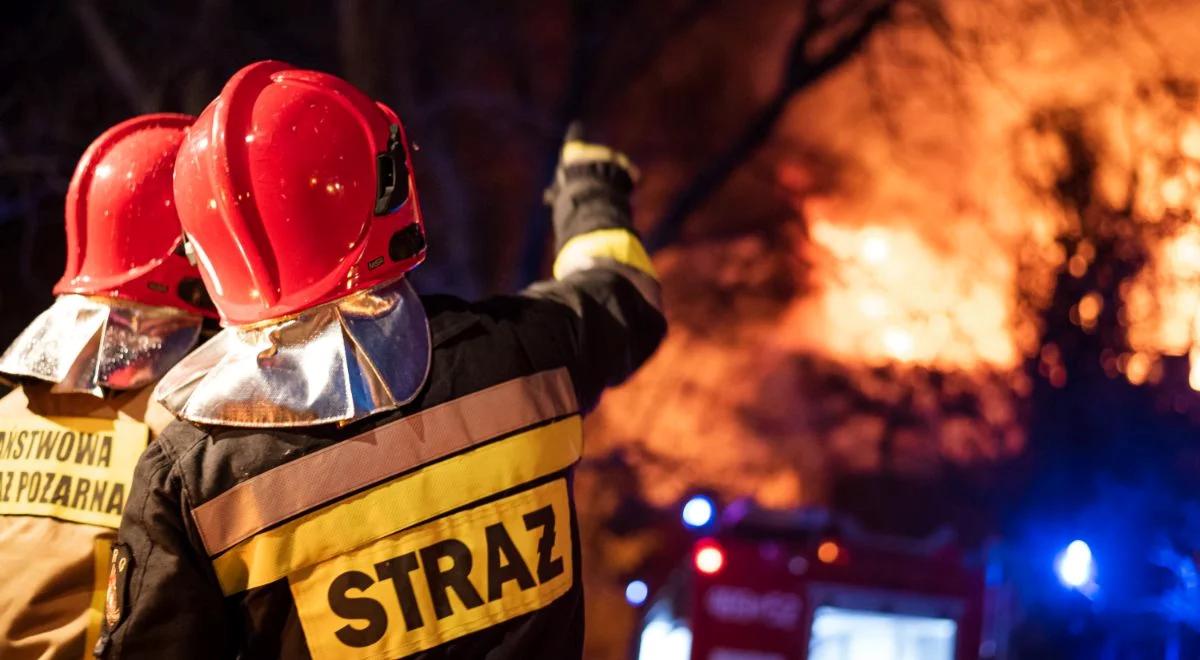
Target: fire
1162,303
886,294
945,193
943,244
931,226
873,246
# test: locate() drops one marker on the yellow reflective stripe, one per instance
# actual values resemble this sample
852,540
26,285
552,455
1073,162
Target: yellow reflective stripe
462,573
577,151
399,504
620,245
95,615
379,454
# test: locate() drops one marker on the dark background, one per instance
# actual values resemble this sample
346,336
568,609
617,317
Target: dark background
485,88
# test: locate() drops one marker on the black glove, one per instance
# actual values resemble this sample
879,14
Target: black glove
592,177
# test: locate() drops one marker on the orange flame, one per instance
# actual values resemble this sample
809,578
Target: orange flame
885,294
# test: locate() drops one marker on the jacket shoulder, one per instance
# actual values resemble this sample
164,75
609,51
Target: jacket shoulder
179,437
509,316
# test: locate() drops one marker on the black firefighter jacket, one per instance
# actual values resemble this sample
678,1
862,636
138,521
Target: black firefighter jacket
444,529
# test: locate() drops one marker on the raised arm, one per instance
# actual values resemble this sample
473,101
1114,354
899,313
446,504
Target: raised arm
602,273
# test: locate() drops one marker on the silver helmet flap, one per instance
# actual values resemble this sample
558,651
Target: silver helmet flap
344,360
86,344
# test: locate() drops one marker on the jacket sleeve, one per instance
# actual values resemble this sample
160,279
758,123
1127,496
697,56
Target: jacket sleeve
167,604
606,290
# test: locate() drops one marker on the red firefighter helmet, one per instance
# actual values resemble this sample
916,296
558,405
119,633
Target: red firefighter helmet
123,235
295,189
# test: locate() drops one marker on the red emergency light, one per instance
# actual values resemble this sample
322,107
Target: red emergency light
708,557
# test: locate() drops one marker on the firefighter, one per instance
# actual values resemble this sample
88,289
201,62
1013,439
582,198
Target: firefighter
362,472
128,307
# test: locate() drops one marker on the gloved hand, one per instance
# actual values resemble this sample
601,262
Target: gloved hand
591,178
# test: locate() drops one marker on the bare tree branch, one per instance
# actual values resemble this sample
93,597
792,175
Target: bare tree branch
358,46
637,65
116,63
800,72
504,107
589,37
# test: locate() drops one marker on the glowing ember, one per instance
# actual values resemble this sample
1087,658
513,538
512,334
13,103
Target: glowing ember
1087,312
1137,368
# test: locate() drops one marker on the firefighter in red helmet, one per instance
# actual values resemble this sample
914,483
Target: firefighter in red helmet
362,472
129,306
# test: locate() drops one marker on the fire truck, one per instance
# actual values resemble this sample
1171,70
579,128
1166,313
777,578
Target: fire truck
809,585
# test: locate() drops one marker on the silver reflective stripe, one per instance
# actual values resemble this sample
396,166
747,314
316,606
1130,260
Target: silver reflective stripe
380,454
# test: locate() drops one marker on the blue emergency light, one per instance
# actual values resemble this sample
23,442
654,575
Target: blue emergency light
699,512
636,592
1075,566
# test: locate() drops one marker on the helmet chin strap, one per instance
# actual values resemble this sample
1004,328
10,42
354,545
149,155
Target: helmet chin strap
391,168
191,289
